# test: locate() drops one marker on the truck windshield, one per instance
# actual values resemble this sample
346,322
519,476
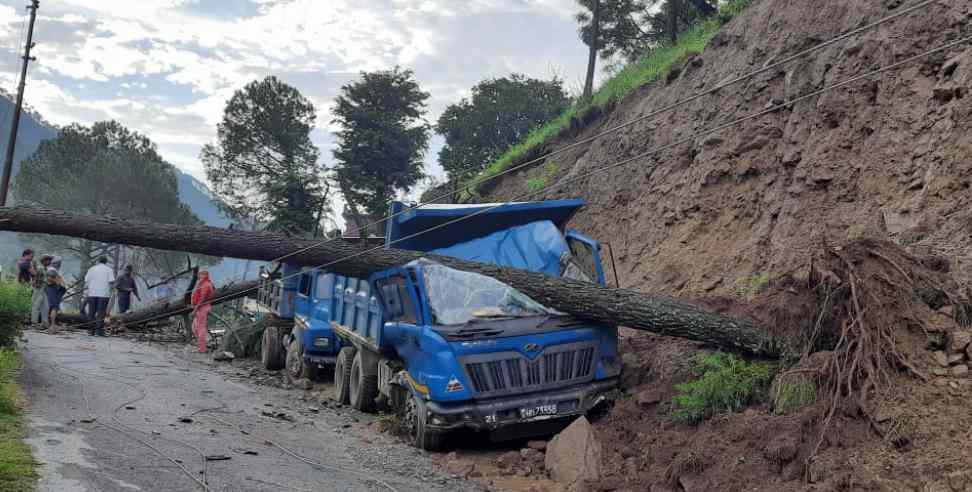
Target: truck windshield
456,297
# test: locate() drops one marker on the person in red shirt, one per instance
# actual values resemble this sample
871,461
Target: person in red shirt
201,297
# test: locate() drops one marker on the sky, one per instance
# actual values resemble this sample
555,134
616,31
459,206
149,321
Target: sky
166,68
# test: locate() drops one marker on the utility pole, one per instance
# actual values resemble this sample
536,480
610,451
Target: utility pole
15,123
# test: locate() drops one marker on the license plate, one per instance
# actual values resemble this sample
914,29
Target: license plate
537,411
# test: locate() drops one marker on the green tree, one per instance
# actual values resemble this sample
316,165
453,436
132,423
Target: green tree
628,28
105,169
263,167
500,113
382,139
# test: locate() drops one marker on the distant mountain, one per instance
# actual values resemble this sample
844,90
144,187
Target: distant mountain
33,129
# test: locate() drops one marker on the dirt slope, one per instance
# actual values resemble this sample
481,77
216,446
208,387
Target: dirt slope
888,157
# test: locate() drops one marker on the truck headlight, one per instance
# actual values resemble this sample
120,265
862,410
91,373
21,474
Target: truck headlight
322,342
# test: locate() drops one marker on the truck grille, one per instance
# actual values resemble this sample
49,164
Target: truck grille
509,372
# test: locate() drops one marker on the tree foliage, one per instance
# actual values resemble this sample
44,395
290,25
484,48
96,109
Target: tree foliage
105,169
382,139
501,112
263,166
630,27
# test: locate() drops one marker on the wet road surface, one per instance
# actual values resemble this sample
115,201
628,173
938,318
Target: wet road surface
109,414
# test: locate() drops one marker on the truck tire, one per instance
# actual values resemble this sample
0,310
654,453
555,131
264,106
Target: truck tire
271,349
342,375
416,416
298,368
363,389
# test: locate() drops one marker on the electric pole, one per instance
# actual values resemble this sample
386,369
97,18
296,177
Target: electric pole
15,122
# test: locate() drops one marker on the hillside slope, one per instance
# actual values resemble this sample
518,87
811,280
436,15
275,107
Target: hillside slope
886,157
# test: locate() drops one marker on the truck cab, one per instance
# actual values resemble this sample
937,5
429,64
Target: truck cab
458,349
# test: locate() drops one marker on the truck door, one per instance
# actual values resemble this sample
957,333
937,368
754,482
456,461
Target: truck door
585,259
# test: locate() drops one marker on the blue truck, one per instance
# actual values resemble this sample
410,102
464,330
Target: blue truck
450,349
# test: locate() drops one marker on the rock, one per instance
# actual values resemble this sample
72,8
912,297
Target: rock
530,454
956,358
960,370
223,356
648,397
574,455
538,445
660,488
958,341
953,385
957,481
940,358
938,371
711,284
883,415
304,384
507,460
947,311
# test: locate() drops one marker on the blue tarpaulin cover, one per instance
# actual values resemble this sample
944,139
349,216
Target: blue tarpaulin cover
537,247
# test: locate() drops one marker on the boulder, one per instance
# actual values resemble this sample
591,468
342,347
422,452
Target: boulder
538,445
648,397
958,341
956,358
574,455
960,370
940,358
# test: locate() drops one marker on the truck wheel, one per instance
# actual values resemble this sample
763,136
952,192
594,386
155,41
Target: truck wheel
297,367
342,375
363,388
416,423
271,349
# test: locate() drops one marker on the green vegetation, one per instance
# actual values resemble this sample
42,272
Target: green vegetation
794,392
542,177
749,287
654,65
14,310
725,383
16,463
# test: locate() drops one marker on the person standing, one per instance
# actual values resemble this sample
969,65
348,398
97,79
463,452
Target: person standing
98,281
55,291
126,287
39,308
201,297
25,267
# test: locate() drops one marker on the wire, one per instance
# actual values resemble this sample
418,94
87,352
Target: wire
624,162
653,114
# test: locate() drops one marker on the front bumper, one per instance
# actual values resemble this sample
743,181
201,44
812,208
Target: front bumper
505,416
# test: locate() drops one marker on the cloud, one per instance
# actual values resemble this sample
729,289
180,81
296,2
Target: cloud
167,67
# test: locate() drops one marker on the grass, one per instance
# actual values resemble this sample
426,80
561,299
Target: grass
541,178
724,383
748,288
656,64
14,310
793,393
16,462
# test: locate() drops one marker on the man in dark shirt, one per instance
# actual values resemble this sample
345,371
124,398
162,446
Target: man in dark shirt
25,267
126,286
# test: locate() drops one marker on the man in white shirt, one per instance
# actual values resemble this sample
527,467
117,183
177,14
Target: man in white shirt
98,282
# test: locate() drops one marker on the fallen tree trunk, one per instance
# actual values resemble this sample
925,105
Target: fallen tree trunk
626,307
170,308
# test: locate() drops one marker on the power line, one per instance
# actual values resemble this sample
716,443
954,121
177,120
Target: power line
648,116
627,161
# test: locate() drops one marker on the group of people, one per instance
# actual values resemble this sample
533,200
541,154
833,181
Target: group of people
49,288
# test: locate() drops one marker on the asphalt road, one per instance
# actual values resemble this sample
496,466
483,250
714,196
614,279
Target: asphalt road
109,414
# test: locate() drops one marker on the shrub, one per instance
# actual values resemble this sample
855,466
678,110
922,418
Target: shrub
793,393
16,463
542,177
725,383
14,311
